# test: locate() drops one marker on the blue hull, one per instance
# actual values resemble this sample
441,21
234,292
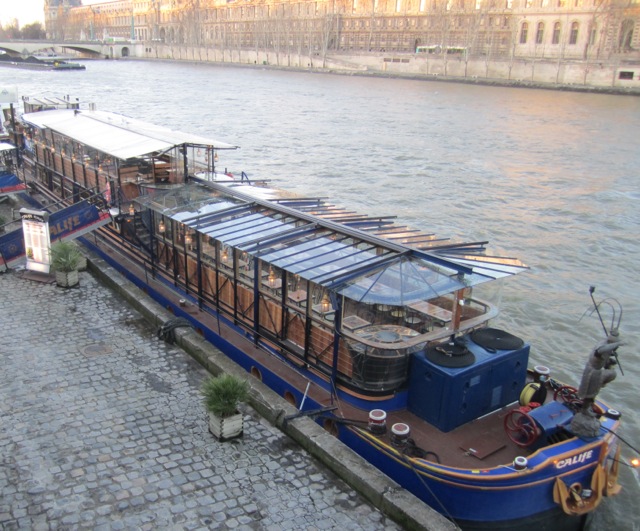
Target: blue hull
480,499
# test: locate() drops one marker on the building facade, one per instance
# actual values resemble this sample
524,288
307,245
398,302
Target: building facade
56,16
528,29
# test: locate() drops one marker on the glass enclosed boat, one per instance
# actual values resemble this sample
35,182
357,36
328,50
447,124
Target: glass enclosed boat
381,331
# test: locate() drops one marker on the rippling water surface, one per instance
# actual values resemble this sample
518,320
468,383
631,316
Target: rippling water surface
552,178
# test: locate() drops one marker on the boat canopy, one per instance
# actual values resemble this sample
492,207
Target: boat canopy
5,146
116,135
347,261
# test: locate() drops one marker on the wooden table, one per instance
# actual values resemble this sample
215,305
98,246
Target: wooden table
353,322
431,310
298,296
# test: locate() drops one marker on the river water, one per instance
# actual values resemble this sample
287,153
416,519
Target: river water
552,178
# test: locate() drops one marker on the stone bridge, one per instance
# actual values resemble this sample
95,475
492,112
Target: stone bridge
97,49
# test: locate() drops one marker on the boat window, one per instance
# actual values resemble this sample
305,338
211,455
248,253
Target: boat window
246,269
163,227
271,278
208,249
226,256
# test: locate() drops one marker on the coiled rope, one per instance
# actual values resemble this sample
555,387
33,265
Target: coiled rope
167,330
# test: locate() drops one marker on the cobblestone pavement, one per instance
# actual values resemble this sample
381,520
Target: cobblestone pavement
103,428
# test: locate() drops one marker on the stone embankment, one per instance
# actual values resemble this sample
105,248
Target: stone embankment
580,76
103,427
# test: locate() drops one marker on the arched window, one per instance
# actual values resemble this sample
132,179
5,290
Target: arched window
524,30
540,33
556,33
626,35
593,35
573,36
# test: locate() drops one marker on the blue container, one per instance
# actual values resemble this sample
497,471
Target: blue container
448,397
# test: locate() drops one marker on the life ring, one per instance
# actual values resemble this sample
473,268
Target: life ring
533,392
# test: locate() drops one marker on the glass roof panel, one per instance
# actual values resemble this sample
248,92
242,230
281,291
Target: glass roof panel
254,232
271,241
334,257
324,263
193,218
237,224
301,252
401,282
293,251
252,241
490,266
178,199
346,266
206,211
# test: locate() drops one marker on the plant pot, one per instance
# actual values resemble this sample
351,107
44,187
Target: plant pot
226,428
67,279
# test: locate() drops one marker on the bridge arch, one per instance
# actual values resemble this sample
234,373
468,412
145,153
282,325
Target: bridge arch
19,48
95,49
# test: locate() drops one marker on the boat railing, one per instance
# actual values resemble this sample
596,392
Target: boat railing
125,246
409,338
95,196
4,227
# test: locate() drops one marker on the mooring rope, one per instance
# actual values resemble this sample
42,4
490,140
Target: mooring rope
167,330
445,511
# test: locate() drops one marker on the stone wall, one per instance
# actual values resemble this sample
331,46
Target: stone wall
579,75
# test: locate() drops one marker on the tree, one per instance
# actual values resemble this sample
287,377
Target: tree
33,31
12,30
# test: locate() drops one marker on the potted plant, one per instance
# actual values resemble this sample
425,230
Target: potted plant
221,396
65,260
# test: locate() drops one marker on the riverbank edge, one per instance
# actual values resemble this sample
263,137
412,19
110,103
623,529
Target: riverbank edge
385,494
487,82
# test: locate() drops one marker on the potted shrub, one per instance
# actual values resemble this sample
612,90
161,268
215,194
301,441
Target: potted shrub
221,396
65,260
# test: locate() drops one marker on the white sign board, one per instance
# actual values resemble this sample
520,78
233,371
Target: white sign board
37,240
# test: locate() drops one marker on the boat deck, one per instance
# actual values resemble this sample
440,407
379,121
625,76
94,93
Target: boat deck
480,443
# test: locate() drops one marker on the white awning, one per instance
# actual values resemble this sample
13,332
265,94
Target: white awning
117,135
5,146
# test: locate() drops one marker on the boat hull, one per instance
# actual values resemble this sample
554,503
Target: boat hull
476,500
493,498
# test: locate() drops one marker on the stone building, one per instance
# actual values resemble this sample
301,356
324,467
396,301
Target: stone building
524,29
56,16
577,29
